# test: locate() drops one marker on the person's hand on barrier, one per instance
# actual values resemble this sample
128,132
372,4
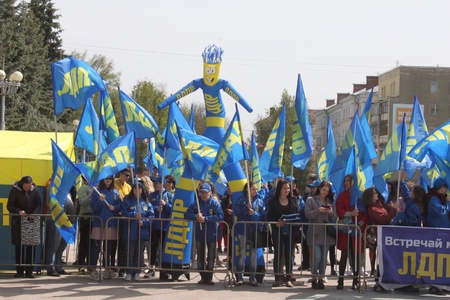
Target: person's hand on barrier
138,216
140,223
22,213
281,223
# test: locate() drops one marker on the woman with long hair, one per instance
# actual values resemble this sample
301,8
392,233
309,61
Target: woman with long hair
319,210
282,203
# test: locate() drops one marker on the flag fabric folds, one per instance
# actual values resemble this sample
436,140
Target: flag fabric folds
73,81
302,138
417,130
272,157
88,132
392,158
192,118
326,159
65,174
438,141
443,166
232,149
198,151
136,118
108,121
117,156
256,174
365,126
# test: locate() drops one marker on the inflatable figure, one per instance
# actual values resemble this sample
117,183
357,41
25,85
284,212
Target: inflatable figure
177,240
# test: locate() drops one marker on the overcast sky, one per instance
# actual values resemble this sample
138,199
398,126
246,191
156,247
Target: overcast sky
332,44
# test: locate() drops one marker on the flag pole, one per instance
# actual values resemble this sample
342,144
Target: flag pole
196,197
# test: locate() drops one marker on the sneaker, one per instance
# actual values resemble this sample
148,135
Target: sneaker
113,275
289,284
210,282
276,284
81,271
435,291
325,279
107,275
239,283
137,277
254,283
94,276
128,277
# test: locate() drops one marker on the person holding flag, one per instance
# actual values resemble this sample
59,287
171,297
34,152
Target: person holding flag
105,204
137,230
206,213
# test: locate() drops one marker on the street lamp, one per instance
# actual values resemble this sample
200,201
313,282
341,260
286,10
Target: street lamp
8,87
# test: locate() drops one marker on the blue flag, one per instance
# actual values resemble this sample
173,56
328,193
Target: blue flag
171,143
65,174
136,118
256,173
88,133
417,130
326,159
108,121
365,117
119,155
302,138
73,81
359,182
232,149
438,141
443,166
272,157
192,119
392,158
429,175
199,153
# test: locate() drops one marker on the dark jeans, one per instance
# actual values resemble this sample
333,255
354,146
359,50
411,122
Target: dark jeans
156,243
211,258
283,246
109,258
24,255
58,255
85,238
135,256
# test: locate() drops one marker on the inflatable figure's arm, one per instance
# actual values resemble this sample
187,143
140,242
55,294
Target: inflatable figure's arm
229,89
191,87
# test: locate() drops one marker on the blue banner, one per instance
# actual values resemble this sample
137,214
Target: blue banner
414,255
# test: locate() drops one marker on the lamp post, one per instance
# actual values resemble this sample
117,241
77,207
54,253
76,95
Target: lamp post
8,86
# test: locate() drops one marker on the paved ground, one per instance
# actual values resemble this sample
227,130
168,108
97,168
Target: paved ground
81,287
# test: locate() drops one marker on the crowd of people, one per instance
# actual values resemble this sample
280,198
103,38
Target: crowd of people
116,218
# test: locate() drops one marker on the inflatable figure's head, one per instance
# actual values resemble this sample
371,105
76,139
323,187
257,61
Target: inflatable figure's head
212,57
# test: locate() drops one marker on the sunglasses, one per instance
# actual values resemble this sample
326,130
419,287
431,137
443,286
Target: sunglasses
128,175
109,178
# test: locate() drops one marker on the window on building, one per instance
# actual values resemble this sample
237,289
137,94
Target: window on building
384,107
433,109
433,87
383,92
374,110
392,91
383,128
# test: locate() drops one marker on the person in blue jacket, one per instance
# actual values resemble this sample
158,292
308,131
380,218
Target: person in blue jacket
104,206
248,211
205,230
162,207
413,205
137,230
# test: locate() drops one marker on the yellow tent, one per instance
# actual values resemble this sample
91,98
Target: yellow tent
30,153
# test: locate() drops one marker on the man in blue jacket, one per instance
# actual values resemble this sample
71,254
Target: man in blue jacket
205,230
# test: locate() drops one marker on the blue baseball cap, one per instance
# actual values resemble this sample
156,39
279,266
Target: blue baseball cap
289,178
314,183
438,183
281,174
205,188
156,179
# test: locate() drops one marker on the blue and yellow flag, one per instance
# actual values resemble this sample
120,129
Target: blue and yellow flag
65,174
232,149
326,159
256,174
108,121
74,81
438,141
136,118
198,151
443,166
429,175
365,117
88,132
392,158
272,157
192,118
302,138
169,148
117,156
417,130
354,138
359,182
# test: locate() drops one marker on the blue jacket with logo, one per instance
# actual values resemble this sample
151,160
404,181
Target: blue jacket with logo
131,226
241,211
166,209
100,208
212,211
